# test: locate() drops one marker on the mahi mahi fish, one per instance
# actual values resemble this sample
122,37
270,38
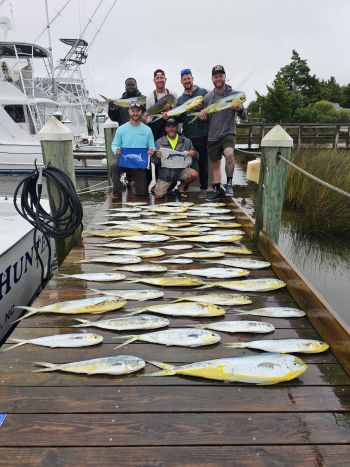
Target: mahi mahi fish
97,276
60,340
256,369
94,305
141,252
132,294
114,259
284,345
143,268
274,312
158,107
237,97
233,250
126,104
118,365
180,109
214,238
126,323
195,310
182,337
200,254
217,299
170,281
243,263
239,326
249,285
147,238
213,273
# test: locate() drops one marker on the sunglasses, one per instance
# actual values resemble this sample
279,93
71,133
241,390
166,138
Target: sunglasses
185,71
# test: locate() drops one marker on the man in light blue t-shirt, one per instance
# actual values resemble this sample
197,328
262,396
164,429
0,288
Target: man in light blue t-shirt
133,134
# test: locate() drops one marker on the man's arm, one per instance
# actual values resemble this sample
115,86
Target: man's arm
117,141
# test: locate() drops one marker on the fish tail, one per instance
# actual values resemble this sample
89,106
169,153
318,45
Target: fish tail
155,118
95,291
196,116
83,323
31,311
104,97
19,342
201,246
167,370
129,341
240,312
47,367
206,286
236,345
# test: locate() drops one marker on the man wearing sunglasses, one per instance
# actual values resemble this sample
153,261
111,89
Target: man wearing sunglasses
197,131
222,131
168,176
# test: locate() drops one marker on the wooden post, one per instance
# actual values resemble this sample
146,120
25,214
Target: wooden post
299,136
57,148
347,144
272,182
336,137
109,129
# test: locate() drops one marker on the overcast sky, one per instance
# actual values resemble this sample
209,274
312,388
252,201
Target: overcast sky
252,39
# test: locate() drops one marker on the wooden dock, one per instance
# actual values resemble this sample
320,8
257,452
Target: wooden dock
56,419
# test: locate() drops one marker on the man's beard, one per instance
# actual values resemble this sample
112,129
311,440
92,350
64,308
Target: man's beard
136,119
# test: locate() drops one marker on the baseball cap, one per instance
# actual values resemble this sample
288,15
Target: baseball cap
135,103
217,69
158,72
186,71
171,121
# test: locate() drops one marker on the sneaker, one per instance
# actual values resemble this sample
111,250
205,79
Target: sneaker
202,194
229,190
215,196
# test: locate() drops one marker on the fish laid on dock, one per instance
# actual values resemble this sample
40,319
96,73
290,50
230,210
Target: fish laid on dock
93,305
147,238
213,273
112,233
60,340
96,276
217,299
215,238
175,261
170,281
240,326
249,285
144,268
283,345
274,312
181,337
118,365
133,215
194,310
120,245
231,250
257,369
179,246
210,210
141,252
114,259
132,294
243,263
200,254
169,209
126,323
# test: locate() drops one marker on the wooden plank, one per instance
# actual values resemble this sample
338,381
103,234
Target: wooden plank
326,320
162,399
207,456
21,374
174,429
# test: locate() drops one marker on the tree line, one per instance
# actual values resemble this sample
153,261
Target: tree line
298,96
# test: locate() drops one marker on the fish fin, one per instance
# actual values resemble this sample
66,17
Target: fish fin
19,342
47,367
196,116
83,323
236,345
164,366
161,373
129,341
31,311
105,98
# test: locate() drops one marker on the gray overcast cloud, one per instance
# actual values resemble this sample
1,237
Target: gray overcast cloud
252,39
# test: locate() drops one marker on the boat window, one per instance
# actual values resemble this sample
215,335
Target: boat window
16,112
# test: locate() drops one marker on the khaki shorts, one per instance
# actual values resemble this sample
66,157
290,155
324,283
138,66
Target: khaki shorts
161,187
216,149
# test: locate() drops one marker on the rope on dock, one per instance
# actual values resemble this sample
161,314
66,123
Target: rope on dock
250,153
315,179
88,189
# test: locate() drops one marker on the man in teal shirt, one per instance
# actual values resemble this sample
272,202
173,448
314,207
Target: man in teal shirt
133,134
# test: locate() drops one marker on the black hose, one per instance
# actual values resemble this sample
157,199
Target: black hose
67,218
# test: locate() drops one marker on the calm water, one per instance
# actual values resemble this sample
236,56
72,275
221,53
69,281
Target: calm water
323,260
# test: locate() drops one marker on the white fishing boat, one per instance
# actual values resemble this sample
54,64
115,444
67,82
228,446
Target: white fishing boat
20,270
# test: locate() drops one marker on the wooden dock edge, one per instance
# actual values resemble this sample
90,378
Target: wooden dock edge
322,316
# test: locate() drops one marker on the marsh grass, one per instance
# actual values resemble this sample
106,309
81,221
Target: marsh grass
323,210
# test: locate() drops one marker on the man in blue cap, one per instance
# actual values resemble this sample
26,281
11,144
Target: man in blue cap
133,134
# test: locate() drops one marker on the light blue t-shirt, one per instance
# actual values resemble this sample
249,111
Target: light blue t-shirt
129,136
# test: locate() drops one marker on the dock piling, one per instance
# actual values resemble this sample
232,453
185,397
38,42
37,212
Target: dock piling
109,131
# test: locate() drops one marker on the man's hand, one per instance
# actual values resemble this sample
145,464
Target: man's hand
203,115
191,153
144,117
118,152
165,115
159,153
167,107
150,151
236,107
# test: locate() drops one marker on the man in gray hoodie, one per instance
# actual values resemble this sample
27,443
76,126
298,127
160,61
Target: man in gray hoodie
222,131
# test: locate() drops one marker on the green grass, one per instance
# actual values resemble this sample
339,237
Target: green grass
323,210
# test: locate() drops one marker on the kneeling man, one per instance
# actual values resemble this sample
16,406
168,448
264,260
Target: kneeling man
181,170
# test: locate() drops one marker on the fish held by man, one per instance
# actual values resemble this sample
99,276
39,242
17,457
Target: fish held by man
181,109
125,103
256,369
237,98
116,365
158,107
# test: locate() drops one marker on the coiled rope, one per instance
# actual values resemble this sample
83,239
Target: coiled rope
63,223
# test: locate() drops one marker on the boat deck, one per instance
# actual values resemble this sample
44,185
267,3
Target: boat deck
64,419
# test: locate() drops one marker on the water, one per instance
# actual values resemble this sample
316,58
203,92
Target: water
323,260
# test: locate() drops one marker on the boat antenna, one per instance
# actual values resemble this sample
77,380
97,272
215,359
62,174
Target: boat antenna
51,22
100,27
54,88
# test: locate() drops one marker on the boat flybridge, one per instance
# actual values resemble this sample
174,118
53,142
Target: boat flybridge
26,103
